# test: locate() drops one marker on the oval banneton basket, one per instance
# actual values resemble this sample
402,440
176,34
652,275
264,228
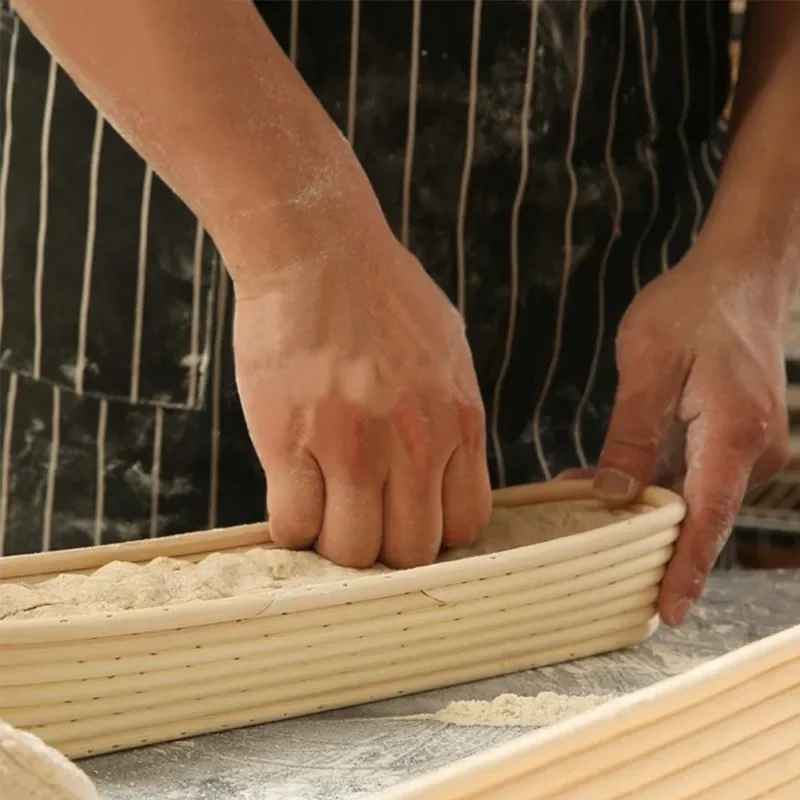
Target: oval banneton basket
96,683
727,730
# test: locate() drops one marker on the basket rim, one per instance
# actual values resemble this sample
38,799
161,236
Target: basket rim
664,510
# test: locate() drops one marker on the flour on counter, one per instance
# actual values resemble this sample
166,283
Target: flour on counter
120,586
546,708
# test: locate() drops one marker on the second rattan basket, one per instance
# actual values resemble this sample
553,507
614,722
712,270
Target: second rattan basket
727,730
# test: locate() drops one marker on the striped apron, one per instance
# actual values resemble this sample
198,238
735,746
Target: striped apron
543,160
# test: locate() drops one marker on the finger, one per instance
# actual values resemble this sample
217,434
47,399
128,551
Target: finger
412,522
644,409
466,498
295,501
424,437
776,456
721,451
576,474
350,446
352,525
670,468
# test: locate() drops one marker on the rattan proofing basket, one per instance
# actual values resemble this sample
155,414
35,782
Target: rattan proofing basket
96,683
727,730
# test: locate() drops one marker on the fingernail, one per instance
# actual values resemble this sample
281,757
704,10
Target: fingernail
680,611
612,484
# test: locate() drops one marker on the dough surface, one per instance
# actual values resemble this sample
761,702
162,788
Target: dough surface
119,586
30,770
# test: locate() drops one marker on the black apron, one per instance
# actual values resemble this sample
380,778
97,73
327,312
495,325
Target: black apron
543,160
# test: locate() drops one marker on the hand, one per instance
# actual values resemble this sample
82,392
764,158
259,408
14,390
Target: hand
362,403
700,404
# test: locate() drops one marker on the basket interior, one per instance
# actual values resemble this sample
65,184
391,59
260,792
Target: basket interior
195,546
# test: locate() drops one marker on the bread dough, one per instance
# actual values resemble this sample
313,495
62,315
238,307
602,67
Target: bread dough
118,586
30,770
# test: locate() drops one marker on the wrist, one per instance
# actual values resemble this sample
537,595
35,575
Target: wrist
276,230
275,205
754,237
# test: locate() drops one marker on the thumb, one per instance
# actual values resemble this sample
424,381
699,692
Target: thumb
646,402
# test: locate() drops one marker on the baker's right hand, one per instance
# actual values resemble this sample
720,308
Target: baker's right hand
362,403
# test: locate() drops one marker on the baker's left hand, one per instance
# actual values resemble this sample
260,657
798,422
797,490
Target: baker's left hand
701,402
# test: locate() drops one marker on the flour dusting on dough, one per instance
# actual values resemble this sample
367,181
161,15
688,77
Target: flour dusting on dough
120,586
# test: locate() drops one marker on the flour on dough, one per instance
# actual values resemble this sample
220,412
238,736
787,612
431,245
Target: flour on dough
120,586
30,770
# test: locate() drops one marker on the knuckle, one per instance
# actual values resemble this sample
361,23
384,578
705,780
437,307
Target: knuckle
416,437
471,423
630,455
750,432
424,456
634,444
356,445
280,435
647,350
629,328
636,332
759,414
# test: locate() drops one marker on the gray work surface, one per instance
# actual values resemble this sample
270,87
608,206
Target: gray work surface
354,752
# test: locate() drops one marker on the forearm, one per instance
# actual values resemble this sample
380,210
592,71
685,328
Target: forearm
203,92
757,205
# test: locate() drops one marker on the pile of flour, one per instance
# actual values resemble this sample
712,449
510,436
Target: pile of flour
120,586
546,708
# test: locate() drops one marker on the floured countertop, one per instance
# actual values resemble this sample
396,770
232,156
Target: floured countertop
349,754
